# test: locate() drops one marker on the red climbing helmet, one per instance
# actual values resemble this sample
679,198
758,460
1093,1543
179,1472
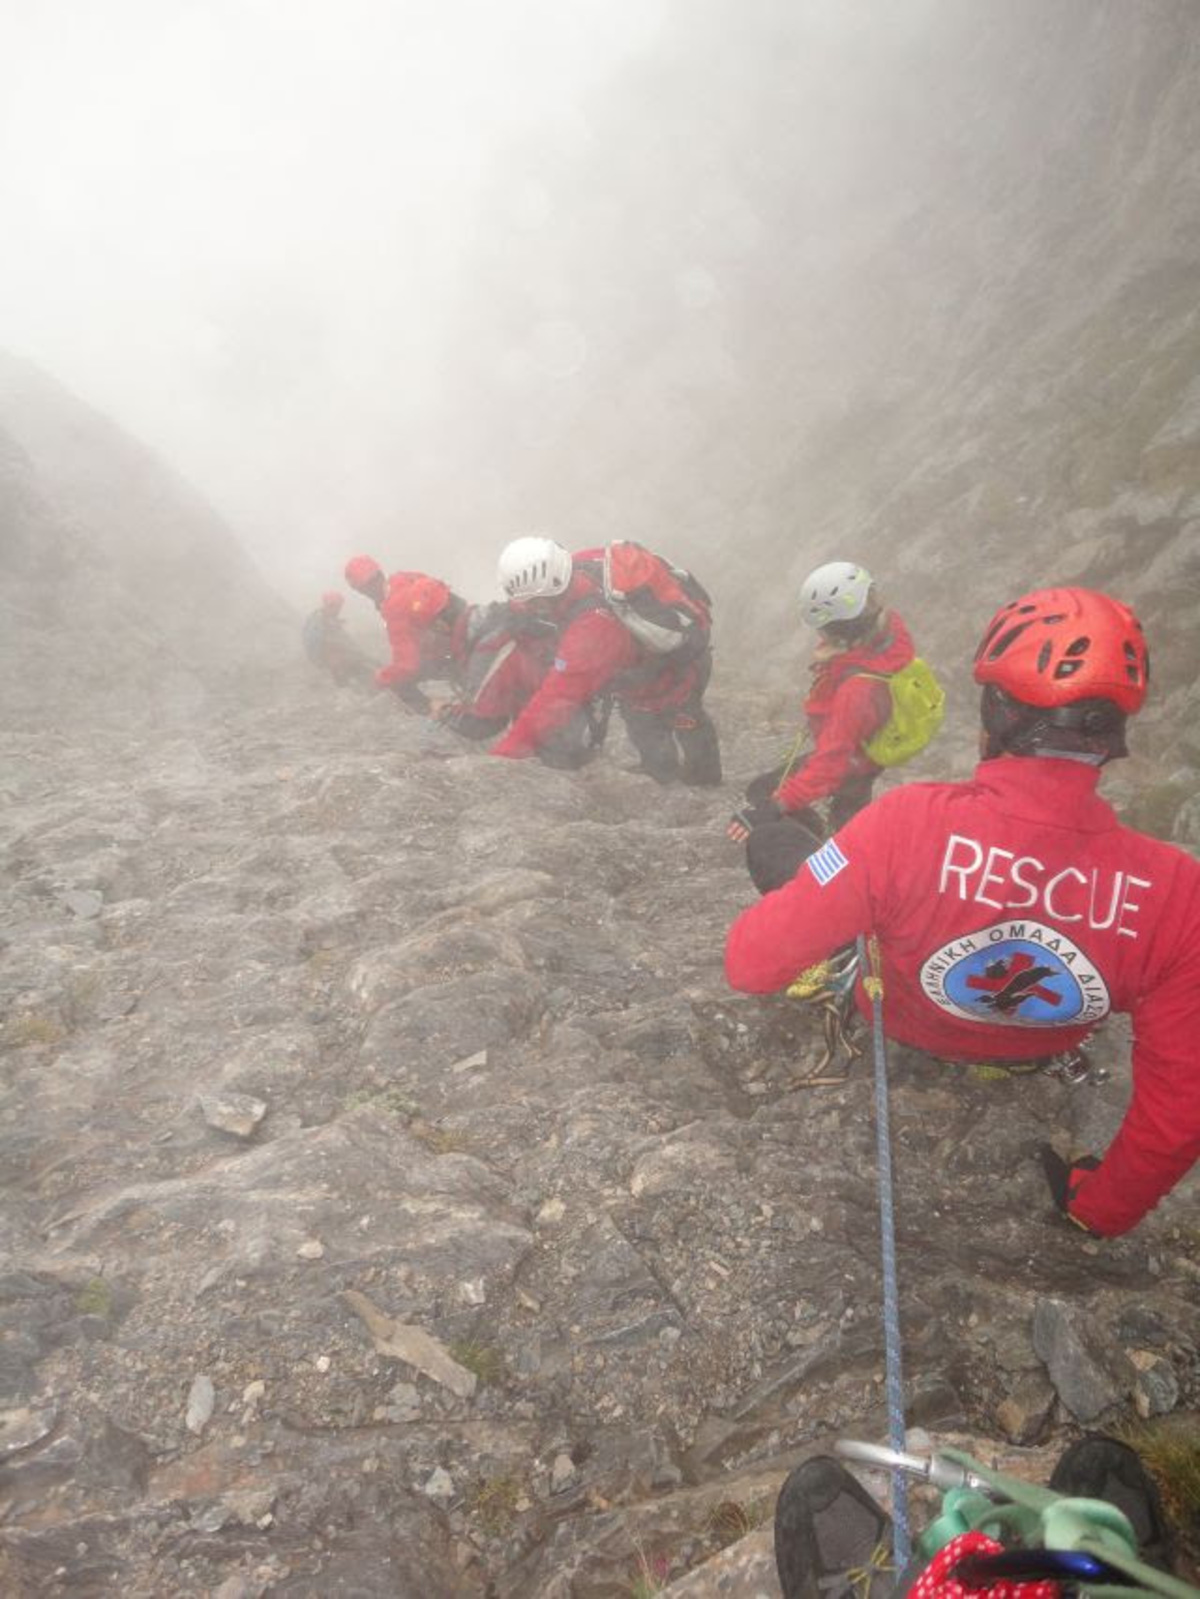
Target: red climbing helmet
331,600
1056,646
361,570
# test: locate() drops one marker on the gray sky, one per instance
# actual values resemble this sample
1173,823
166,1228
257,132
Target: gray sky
233,224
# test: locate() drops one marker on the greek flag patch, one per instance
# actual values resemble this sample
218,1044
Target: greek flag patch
826,863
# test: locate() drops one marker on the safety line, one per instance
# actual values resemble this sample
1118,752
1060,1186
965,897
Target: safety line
901,1541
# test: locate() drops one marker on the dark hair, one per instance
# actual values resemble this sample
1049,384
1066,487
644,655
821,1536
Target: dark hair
1094,728
855,630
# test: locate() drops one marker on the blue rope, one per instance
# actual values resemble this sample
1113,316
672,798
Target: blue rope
901,1540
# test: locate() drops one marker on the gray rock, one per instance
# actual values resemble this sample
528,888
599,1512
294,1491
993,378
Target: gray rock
201,1399
440,1486
24,1426
1089,1371
1025,1412
403,1403
413,1345
83,902
746,1570
239,1114
1157,1392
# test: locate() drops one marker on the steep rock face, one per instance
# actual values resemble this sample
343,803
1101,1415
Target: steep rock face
119,582
933,308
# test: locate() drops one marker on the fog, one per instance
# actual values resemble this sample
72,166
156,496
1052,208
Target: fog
237,227
384,275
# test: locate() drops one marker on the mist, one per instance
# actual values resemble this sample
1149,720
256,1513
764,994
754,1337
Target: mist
402,1195
377,276
241,230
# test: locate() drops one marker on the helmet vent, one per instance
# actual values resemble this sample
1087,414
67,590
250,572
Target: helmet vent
1044,654
1067,668
1077,646
1006,640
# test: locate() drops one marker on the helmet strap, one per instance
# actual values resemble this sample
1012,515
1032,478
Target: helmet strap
1091,731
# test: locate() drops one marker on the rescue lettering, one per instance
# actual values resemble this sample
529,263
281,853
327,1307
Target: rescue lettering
1097,898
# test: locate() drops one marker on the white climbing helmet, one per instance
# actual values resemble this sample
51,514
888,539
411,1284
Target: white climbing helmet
533,569
835,592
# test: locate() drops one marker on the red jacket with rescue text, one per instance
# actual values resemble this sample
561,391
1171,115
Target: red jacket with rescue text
1014,913
845,709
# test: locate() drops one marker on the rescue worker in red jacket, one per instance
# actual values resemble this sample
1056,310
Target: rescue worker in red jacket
508,653
598,660
1014,912
326,644
426,627
492,658
861,644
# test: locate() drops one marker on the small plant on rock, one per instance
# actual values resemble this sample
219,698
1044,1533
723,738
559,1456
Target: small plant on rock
1171,1454
731,1520
484,1361
652,1575
441,1140
95,1298
494,1501
25,1030
386,1101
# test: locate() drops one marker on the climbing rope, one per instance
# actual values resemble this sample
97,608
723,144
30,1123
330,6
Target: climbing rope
792,756
868,953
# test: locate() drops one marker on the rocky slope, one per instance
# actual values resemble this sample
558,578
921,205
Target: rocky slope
921,292
398,1202
118,583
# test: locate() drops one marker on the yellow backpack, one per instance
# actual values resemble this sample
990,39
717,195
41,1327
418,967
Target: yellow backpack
918,705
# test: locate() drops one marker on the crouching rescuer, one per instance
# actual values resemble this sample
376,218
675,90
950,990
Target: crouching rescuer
1014,913
872,705
631,631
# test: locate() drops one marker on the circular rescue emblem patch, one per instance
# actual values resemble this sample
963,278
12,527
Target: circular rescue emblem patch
1017,974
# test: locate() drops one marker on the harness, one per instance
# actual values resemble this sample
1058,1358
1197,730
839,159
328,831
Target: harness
633,677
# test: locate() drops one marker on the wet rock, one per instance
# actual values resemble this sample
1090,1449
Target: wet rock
1089,1370
239,1114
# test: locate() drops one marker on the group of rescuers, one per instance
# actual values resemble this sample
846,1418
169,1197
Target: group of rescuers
1010,914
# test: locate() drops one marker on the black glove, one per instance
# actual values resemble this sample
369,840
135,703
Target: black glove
742,823
1063,1179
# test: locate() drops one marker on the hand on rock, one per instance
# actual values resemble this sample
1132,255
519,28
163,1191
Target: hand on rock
1064,1177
